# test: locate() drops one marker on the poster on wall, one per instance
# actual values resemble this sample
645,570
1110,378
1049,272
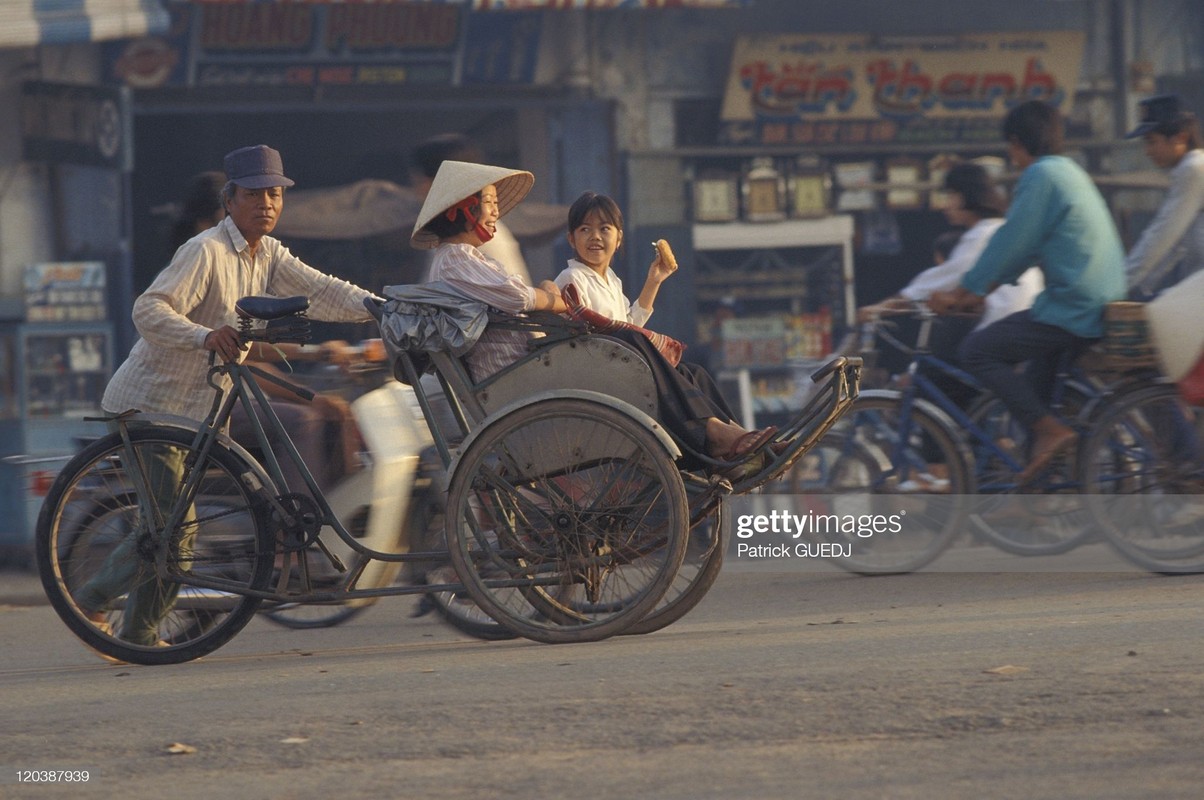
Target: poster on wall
862,90
65,291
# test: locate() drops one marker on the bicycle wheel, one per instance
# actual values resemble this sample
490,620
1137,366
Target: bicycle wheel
884,459
705,550
308,616
576,505
1143,471
93,544
455,607
1049,523
88,543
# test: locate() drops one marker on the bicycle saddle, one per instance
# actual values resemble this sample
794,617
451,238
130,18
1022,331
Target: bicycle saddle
268,308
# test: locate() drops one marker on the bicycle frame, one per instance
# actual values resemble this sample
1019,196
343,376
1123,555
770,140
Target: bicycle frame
923,387
247,392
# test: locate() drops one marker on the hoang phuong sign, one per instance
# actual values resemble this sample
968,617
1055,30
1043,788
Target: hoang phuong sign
855,89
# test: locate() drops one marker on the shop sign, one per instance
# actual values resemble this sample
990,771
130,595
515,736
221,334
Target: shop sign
296,44
330,44
856,90
754,342
72,124
512,5
65,291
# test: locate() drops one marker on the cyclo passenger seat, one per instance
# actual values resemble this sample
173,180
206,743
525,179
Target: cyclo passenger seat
564,357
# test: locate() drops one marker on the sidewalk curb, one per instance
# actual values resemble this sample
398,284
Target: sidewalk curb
18,588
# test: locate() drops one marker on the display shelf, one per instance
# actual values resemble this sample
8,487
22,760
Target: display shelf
771,297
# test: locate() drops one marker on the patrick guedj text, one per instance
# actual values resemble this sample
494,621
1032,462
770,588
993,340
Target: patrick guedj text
815,527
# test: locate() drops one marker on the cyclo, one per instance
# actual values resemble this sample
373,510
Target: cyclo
568,518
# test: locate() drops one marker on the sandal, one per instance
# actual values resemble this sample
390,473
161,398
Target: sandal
749,443
1045,455
106,628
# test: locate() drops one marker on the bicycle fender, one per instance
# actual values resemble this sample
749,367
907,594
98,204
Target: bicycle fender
190,426
622,406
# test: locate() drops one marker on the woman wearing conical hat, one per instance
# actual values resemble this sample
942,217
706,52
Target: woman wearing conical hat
460,214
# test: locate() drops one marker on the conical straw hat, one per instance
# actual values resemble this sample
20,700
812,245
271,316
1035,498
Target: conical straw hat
457,180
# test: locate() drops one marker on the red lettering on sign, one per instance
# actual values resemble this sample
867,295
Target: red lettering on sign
390,26
1038,84
906,91
256,26
899,91
798,87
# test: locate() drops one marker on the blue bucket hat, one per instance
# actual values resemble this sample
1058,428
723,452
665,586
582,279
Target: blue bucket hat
1164,109
257,167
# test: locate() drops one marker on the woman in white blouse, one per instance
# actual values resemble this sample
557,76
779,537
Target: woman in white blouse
977,206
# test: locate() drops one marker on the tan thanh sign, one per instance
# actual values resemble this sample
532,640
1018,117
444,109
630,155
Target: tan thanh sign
854,89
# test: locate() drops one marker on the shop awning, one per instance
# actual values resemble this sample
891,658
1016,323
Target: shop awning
25,23
531,5
520,5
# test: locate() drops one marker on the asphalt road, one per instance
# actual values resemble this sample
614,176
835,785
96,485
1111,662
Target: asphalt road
1006,684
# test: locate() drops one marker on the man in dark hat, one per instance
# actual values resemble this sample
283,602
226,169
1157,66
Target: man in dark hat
1172,245
186,313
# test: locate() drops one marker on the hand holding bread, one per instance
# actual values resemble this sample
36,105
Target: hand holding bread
666,254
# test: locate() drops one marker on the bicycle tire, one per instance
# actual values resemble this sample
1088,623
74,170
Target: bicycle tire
705,551
1046,523
228,542
1143,475
874,456
456,608
311,616
565,497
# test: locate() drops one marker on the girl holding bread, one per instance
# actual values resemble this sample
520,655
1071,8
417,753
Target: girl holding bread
460,214
595,232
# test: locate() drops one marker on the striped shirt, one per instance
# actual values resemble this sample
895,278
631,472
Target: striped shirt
479,277
167,368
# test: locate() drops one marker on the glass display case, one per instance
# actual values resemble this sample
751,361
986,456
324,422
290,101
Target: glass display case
52,376
53,372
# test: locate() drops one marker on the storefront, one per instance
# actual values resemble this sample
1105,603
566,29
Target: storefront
787,148
344,91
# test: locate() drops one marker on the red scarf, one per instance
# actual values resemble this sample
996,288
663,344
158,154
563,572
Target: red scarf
466,205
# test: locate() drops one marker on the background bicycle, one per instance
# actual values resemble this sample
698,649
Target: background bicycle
915,439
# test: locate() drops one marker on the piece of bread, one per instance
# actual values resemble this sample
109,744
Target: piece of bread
666,254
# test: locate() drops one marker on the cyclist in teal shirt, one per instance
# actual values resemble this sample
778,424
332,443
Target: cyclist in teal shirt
1059,221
